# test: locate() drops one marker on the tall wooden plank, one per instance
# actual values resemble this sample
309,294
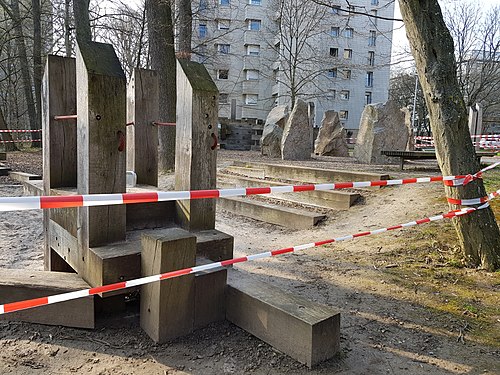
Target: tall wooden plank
142,135
58,137
195,154
101,101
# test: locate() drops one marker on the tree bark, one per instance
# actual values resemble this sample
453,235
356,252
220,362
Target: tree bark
82,20
24,65
432,48
185,28
161,45
10,146
37,67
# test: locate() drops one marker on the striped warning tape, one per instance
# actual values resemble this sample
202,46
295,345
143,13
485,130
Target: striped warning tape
22,141
36,302
20,130
90,200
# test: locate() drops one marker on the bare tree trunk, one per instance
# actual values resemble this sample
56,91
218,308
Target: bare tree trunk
10,146
432,48
82,20
67,28
161,46
23,63
37,67
185,28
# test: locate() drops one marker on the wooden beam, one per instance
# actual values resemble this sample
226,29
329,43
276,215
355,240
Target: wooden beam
304,330
18,285
167,307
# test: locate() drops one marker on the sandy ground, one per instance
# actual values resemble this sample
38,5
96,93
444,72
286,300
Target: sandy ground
384,331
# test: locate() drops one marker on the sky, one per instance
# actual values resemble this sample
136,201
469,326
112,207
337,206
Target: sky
399,41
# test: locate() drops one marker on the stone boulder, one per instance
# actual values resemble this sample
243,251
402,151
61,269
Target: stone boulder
383,126
272,134
331,139
296,143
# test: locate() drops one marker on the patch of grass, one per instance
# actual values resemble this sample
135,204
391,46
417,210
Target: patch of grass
430,271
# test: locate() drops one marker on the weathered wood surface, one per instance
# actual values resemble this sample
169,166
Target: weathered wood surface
142,136
167,307
59,137
304,330
214,244
196,126
18,285
101,100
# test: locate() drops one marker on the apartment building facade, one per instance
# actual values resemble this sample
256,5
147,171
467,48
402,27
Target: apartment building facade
335,58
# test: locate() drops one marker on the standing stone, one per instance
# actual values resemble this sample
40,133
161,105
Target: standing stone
273,131
297,135
382,127
331,140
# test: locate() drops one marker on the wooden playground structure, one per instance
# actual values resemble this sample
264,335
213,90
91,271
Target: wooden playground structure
89,153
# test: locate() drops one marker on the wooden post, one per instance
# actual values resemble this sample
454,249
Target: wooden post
58,137
167,307
142,135
195,153
101,101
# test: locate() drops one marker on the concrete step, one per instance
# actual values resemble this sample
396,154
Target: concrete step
271,213
331,199
248,171
312,175
24,177
4,171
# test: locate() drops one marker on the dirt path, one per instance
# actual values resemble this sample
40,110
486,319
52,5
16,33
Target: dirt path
387,327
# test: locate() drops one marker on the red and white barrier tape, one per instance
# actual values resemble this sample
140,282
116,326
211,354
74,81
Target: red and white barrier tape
21,131
36,302
91,200
22,141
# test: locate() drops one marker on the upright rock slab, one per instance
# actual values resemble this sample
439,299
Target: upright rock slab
273,131
383,126
297,135
331,140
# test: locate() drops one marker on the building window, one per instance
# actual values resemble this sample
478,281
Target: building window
368,98
202,30
344,95
336,9
348,32
335,31
346,73
223,98
369,79
253,49
223,24
332,73
222,74
343,115
347,53
334,52
374,18
254,2
223,48
372,38
251,99
224,2
351,9
371,58
252,74
254,25
203,5
331,95
374,2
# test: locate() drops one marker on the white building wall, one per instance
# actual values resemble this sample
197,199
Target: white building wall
326,91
